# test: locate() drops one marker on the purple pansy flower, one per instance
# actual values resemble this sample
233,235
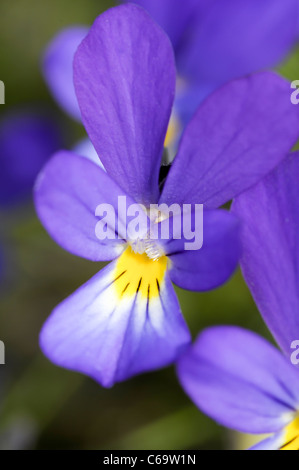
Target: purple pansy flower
244,383
27,139
233,375
214,42
126,319
58,67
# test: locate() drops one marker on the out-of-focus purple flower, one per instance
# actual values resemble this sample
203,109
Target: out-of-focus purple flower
58,73
126,319
217,41
214,42
232,375
27,140
58,67
244,383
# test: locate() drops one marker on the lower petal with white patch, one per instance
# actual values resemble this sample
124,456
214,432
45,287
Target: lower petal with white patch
291,436
288,439
124,321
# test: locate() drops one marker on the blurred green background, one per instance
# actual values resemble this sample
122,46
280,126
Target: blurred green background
41,405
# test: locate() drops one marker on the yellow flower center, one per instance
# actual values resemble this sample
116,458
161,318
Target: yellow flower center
292,436
136,273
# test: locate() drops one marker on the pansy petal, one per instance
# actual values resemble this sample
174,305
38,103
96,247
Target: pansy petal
188,98
240,380
87,150
174,16
271,443
67,193
58,68
124,77
205,252
270,240
114,326
231,39
238,135
27,140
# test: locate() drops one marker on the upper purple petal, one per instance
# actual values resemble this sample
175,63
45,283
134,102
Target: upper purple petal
217,41
230,39
174,16
67,193
58,68
124,77
270,241
111,338
240,380
238,135
27,140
